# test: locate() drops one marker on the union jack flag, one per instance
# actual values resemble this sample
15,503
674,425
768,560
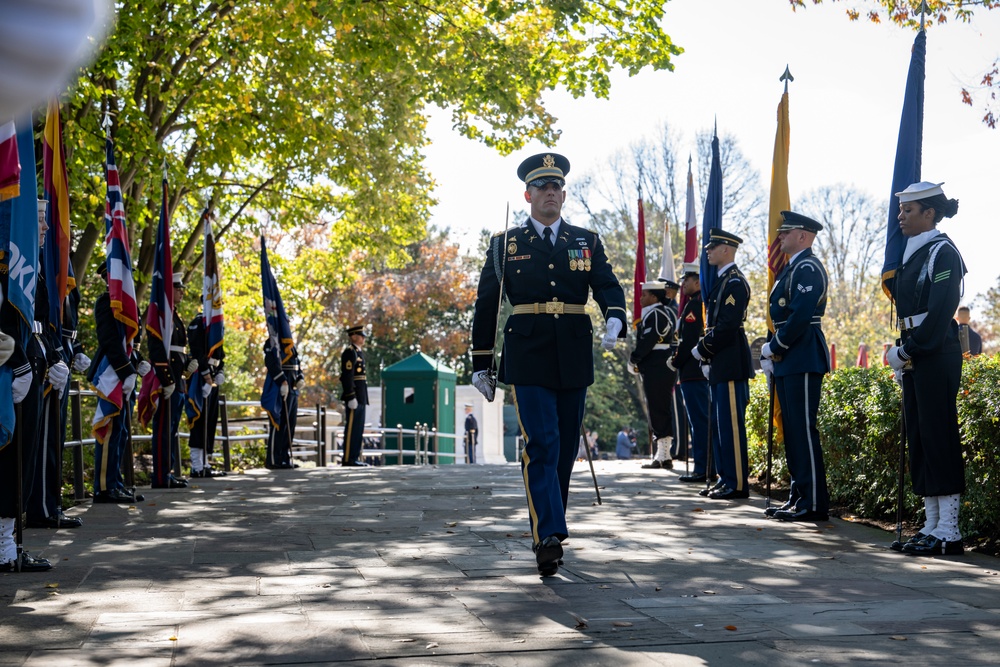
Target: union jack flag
160,315
122,291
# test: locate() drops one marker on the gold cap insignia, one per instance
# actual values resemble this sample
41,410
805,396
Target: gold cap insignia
548,161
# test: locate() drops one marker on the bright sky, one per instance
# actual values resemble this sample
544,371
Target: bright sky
845,105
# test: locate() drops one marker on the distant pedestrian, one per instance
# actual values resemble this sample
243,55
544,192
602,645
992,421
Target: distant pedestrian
625,444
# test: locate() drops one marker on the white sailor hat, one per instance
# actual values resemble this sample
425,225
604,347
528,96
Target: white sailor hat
921,190
654,285
691,269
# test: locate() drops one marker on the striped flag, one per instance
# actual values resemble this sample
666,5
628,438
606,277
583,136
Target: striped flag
640,268
57,239
906,169
712,219
121,289
160,314
279,332
211,315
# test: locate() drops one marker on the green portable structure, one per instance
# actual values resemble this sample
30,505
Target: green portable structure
419,389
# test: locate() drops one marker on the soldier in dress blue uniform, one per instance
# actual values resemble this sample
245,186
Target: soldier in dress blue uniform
654,345
694,386
796,354
355,395
725,357
927,289
211,367
547,269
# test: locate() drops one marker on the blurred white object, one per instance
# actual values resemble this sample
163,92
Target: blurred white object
43,43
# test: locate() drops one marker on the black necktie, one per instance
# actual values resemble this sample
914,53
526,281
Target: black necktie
547,235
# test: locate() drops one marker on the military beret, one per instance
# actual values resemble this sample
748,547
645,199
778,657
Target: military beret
543,168
921,190
721,237
792,220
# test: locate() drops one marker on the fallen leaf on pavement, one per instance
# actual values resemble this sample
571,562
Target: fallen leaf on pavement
730,627
621,624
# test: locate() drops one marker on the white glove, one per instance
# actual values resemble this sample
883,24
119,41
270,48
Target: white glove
206,389
898,377
220,377
696,354
670,364
6,347
81,362
167,391
143,368
284,389
632,368
706,370
19,386
611,337
352,404
893,358
191,367
300,384
485,383
128,385
766,352
767,366
59,376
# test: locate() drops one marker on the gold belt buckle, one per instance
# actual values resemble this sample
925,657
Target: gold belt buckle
553,307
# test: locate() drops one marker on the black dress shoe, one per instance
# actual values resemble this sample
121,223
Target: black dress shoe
898,546
725,493
61,521
114,496
197,474
934,546
176,483
667,465
209,472
692,478
654,464
774,509
705,492
800,515
548,553
27,564
357,464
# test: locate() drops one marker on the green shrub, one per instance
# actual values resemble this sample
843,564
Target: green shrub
859,425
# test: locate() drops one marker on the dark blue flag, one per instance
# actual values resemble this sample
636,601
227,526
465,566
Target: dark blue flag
711,220
908,148
279,333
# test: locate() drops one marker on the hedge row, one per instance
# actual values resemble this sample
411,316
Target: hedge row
859,424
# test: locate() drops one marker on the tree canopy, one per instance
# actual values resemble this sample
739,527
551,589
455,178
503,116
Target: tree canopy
908,13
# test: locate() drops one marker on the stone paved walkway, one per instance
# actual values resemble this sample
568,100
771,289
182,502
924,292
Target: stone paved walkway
433,566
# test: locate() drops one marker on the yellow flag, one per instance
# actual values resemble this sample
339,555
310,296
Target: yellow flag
780,201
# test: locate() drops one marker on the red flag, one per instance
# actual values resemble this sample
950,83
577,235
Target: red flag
640,268
10,165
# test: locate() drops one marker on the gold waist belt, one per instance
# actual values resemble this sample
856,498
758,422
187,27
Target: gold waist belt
550,308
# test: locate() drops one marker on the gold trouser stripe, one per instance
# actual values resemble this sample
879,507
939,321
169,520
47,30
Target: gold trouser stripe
736,436
525,460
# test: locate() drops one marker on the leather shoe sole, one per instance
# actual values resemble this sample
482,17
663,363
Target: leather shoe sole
548,553
801,515
934,546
